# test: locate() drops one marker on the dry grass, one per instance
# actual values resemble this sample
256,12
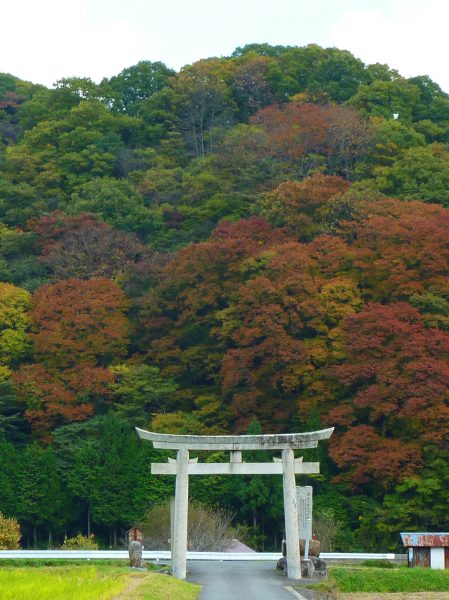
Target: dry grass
208,529
161,587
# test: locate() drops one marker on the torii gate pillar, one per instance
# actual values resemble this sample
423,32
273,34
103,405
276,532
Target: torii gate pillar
291,515
179,543
288,467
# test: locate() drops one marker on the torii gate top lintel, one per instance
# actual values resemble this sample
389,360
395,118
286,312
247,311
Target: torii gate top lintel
276,441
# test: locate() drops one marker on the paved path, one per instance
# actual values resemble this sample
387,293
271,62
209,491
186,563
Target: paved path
239,580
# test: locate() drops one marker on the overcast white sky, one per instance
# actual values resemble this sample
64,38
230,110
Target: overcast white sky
45,40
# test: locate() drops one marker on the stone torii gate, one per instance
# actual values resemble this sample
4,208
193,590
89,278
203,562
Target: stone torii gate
287,466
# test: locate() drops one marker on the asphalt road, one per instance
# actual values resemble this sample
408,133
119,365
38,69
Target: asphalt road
239,580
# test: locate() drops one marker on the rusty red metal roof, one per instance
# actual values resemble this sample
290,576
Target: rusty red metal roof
425,540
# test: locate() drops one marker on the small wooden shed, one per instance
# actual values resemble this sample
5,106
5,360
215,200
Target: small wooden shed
134,535
427,549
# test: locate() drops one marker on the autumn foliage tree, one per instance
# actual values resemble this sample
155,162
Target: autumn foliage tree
394,401
296,204
180,318
79,322
315,136
248,317
83,247
78,328
400,249
283,325
9,533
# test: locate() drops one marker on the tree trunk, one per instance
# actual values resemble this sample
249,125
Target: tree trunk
88,521
50,540
34,537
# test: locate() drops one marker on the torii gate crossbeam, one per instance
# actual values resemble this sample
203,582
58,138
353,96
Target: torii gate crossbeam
287,466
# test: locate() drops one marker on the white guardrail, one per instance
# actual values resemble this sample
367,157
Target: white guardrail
164,555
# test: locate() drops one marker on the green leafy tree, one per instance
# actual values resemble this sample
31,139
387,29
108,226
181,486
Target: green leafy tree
127,90
390,139
417,503
140,391
12,423
108,470
9,466
387,98
19,201
257,499
117,202
204,102
328,72
42,502
57,155
19,263
421,174
14,323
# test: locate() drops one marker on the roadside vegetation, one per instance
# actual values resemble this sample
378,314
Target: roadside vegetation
353,579
92,582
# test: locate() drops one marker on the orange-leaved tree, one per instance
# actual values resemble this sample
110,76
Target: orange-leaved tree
394,397
297,204
327,137
79,327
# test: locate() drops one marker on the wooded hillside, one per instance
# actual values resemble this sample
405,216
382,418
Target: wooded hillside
258,242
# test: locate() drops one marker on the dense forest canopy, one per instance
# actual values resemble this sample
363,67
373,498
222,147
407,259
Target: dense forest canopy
257,242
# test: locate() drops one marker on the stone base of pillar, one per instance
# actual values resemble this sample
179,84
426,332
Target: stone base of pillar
320,566
311,567
307,568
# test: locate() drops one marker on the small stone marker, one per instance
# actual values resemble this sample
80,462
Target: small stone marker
135,555
135,547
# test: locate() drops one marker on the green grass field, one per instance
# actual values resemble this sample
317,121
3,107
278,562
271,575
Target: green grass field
93,582
88,583
400,579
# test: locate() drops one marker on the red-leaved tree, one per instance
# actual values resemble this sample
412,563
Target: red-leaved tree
78,328
395,380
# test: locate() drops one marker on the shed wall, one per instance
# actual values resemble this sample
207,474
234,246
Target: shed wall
421,557
437,558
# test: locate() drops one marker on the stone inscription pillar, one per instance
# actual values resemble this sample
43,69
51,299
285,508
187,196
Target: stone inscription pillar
304,500
291,515
179,543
